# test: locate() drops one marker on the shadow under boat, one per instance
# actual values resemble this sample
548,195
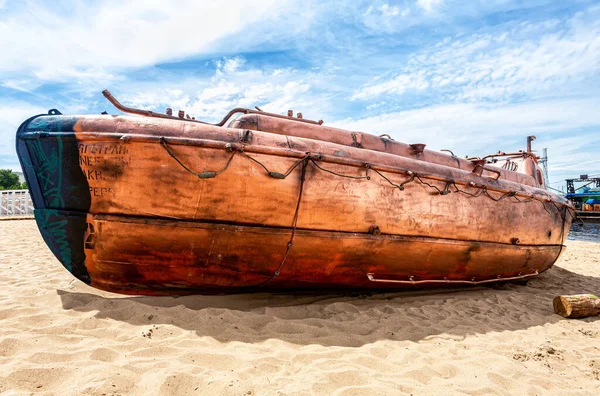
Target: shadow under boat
347,319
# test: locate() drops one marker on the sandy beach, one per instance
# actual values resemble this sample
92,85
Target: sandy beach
59,336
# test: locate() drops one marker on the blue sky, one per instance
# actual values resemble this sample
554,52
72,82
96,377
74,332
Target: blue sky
474,77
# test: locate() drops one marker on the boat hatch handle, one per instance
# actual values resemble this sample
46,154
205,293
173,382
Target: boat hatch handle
148,113
480,167
418,148
473,281
387,136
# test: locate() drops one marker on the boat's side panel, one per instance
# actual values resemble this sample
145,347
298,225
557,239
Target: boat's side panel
135,255
121,177
231,231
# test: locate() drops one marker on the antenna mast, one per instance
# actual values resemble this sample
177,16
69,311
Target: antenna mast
544,163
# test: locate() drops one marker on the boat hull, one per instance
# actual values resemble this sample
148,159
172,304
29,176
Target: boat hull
141,206
134,255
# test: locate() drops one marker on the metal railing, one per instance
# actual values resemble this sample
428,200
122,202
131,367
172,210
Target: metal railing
14,203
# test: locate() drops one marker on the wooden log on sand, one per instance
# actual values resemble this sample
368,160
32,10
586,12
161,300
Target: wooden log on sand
577,306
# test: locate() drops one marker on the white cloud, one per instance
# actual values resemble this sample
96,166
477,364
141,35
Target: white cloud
375,105
20,84
232,64
397,85
527,59
389,11
428,5
389,18
55,44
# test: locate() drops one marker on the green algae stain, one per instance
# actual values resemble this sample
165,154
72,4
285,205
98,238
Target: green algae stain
49,173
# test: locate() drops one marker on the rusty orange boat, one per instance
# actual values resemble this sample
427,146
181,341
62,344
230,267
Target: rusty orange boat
161,204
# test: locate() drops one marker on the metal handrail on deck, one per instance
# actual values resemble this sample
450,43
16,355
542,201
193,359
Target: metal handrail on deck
148,113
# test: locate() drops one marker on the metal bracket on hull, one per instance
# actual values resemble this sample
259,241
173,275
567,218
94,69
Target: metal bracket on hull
480,167
372,278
